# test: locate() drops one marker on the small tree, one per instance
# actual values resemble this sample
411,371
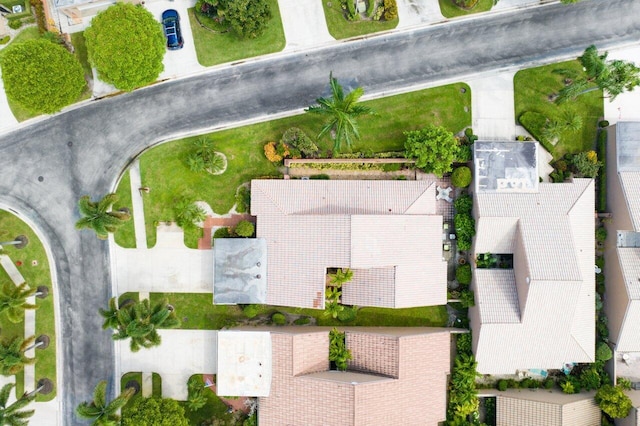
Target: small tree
188,213
10,414
247,18
154,412
204,158
196,398
41,76
245,229
101,411
98,217
434,148
13,300
461,177
126,45
613,401
12,355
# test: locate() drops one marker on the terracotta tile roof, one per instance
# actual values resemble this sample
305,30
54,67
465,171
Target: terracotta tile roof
395,377
553,279
314,225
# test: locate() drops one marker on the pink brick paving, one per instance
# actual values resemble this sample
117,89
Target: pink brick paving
204,243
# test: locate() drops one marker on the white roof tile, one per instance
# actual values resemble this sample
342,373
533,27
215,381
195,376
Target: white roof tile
496,296
630,182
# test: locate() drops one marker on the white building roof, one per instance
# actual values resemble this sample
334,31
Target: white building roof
543,314
244,363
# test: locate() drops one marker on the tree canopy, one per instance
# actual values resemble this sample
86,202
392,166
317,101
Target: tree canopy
41,76
99,410
96,215
613,401
154,412
434,148
12,414
248,18
126,45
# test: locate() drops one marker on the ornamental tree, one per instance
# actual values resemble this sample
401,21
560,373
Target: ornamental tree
613,401
126,45
42,76
434,148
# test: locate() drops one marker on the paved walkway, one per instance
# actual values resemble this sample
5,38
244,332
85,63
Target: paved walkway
304,24
138,206
192,352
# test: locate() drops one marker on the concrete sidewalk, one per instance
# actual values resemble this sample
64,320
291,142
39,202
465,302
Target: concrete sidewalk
138,205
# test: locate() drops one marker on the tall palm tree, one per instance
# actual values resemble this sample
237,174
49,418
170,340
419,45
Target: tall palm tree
101,412
140,322
342,112
12,357
613,77
11,414
13,300
98,217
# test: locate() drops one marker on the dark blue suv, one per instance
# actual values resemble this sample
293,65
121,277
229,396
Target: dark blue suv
171,24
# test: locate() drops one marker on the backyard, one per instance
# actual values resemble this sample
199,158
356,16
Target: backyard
216,45
165,172
32,263
533,88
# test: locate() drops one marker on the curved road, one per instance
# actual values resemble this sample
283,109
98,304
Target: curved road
83,151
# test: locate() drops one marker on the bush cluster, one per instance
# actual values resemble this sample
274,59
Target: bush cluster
390,10
601,234
296,139
463,396
245,229
463,204
461,177
338,352
38,9
463,274
251,311
279,318
602,176
243,199
271,152
465,227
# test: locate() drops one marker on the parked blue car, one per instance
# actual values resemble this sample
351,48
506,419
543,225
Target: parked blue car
171,24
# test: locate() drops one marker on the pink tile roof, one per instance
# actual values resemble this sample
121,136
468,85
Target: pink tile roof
396,377
314,225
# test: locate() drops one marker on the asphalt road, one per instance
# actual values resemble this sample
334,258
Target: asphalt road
84,150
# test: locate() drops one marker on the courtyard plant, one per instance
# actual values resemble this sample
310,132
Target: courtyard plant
41,76
126,46
461,177
338,352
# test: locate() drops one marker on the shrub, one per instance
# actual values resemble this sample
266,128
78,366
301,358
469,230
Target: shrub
222,233
603,352
245,229
468,132
548,383
390,10
467,299
250,311
243,199
348,314
463,343
603,123
613,401
602,327
465,226
320,176
600,262
338,352
296,138
302,321
38,10
371,4
4,40
465,153
624,383
271,153
187,213
14,24
586,164
502,385
464,243
461,177
41,76
463,204
278,318
601,234
463,274
602,176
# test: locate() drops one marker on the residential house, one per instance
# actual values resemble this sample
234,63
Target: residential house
386,232
538,312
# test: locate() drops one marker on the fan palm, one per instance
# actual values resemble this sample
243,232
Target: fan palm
98,217
342,112
11,414
613,77
101,412
13,300
12,357
140,322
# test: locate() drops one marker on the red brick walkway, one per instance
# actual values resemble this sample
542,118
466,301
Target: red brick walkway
204,243
237,404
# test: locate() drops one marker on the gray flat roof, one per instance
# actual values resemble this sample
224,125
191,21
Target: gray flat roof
240,270
628,146
506,166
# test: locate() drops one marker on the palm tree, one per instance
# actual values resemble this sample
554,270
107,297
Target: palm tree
342,276
11,414
12,357
98,217
613,77
140,322
342,112
101,412
13,300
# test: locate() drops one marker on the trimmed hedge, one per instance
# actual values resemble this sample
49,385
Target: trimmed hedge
602,176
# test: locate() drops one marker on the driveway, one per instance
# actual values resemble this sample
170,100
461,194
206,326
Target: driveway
51,162
418,12
304,23
492,106
625,107
182,354
177,62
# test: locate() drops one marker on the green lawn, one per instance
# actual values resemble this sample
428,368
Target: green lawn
197,311
340,28
450,10
80,52
35,275
164,169
125,236
532,89
215,408
215,48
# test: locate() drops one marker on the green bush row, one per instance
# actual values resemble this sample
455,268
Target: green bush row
602,176
337,166
41,19
371,154
526,383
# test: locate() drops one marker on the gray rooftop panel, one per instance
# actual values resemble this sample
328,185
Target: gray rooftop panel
240,270
628,146
506,166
